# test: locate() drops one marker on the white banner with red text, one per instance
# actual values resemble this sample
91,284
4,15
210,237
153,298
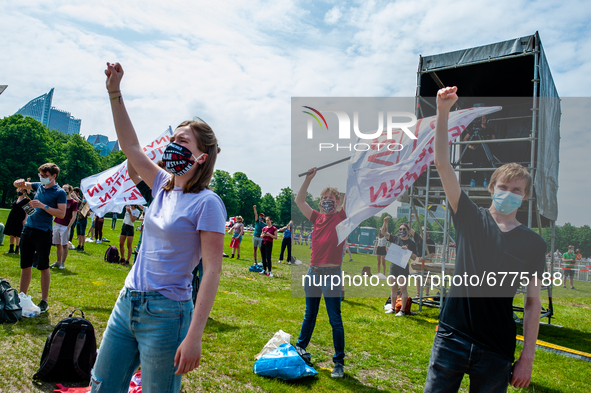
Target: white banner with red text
111,190
379,175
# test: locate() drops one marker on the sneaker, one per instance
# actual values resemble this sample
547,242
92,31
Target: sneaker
279,262
351,260
564,286
62,266
99,241
55,264
400,313
43,306
271,275
338,371
572,288
232,256
390,311
262,272
106,240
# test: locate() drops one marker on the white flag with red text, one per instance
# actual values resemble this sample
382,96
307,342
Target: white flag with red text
378,176
112,189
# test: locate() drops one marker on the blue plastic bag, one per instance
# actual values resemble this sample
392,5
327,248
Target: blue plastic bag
255,268
283,363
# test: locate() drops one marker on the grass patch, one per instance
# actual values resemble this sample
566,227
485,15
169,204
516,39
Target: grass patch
384,353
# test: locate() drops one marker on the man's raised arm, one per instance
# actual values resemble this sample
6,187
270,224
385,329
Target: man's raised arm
445,99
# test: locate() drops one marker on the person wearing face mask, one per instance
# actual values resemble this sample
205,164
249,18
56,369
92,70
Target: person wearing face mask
237,233
476,331
326,260
406,243
153,321
61,229
16,221
50,201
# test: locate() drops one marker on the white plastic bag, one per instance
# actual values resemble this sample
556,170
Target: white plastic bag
279,338
30,310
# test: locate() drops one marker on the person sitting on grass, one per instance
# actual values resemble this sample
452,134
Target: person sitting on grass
326,259
154,321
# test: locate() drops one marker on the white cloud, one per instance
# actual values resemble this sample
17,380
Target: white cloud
238,63
333,16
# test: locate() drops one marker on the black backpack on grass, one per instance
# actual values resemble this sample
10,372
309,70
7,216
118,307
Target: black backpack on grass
10,304
112,254
70,351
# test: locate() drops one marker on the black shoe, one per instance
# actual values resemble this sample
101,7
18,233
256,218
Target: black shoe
306,356
43,306
338,371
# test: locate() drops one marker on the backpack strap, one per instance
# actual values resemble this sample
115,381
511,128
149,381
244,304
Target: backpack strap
80,340
76,309
54,352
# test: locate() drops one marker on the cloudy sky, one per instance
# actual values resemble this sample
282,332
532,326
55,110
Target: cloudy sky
236,64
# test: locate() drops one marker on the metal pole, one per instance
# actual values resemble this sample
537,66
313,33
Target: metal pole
534,124
327,165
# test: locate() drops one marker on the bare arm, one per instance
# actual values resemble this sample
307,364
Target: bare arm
188,354
59,211
522,369
384,228
256,216
445,99
300,199
21,183
125,132
132,173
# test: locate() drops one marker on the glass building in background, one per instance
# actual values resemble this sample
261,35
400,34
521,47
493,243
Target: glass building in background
41,110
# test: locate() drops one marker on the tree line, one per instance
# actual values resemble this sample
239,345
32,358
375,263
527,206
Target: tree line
27,144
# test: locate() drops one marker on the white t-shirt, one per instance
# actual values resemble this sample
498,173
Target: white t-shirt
382,242
127,219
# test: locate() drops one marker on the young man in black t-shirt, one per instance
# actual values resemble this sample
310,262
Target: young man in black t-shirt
476,332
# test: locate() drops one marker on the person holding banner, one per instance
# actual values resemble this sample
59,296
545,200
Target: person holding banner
476,331
153,322
404,241
326,260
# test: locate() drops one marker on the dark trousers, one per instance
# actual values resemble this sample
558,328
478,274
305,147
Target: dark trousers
286,243
266,250
315,287
453,356
98,228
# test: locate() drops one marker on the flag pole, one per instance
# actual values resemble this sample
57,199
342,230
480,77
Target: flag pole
327,165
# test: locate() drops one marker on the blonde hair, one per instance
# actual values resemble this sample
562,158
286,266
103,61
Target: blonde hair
332,191
208,144
509,172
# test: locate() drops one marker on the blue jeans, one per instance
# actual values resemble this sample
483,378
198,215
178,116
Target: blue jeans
453,356
144,328
332,299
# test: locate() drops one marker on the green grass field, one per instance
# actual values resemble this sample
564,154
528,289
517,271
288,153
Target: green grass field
384,353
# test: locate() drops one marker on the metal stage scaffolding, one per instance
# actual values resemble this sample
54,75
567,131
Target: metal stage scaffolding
515,75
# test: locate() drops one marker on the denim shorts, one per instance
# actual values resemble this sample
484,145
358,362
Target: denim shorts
144,328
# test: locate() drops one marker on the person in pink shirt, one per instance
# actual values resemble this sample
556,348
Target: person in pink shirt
268,235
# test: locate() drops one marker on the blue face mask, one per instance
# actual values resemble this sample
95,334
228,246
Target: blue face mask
44,180
506,202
